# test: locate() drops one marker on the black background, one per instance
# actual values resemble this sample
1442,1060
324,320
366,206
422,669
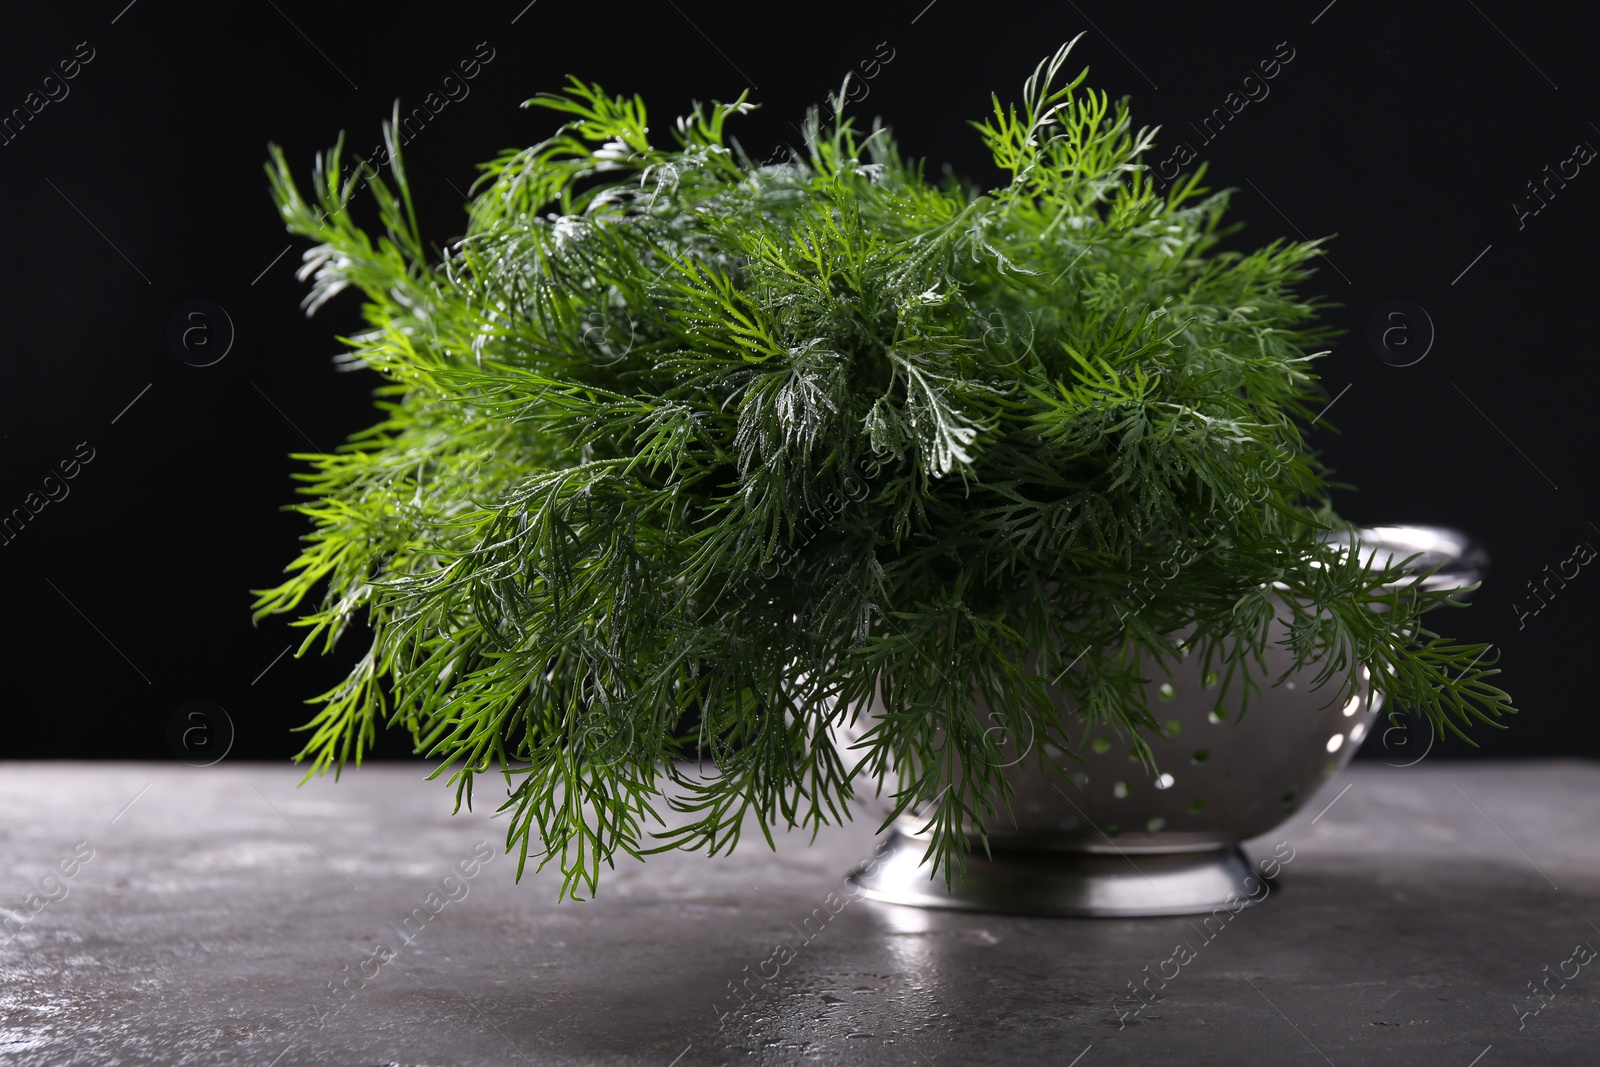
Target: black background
1409,132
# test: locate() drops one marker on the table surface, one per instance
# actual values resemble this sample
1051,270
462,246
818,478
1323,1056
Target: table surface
222,909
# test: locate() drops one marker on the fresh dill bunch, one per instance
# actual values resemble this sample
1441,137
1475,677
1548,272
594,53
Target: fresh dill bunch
686,461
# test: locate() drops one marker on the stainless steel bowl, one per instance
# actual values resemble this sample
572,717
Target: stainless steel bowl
1119,838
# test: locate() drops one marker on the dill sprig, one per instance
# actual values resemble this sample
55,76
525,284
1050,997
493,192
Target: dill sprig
685,461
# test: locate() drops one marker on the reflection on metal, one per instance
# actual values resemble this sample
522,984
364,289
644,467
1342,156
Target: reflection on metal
1056,883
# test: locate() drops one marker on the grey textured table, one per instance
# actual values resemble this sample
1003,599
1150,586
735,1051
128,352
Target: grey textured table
221,908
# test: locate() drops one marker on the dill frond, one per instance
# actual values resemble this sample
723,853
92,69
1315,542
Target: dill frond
684,457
